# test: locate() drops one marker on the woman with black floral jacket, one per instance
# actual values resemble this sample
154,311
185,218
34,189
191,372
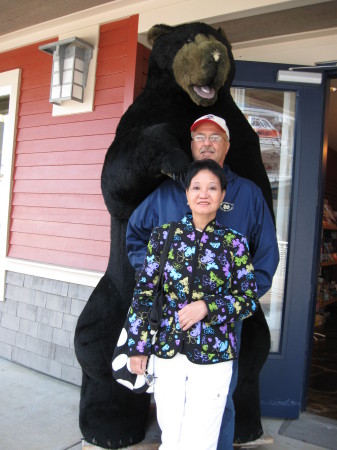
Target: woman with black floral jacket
209,283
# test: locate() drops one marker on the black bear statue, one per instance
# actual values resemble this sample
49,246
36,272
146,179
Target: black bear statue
191,68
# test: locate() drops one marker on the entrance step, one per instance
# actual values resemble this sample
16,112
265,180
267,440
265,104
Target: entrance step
265,439
152,438
141,446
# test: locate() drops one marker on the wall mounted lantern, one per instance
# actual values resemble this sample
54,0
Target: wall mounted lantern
71,59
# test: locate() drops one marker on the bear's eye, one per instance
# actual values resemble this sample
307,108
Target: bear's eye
189,40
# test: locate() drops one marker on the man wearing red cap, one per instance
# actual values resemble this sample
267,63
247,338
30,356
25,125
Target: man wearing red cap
214,130
245,210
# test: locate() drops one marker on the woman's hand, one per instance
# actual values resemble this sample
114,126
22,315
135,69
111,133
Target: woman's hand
138,364
192,313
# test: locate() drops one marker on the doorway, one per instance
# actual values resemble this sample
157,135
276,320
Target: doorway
291,144
322,393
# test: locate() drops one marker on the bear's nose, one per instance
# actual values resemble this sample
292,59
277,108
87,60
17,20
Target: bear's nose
216,55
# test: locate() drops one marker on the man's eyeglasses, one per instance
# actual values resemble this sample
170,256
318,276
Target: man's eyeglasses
211,138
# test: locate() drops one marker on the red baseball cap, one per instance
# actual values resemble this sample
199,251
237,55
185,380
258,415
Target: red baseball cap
218,121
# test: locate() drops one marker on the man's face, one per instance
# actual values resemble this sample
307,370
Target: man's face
216,150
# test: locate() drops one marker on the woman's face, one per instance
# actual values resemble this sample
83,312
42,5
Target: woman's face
204,194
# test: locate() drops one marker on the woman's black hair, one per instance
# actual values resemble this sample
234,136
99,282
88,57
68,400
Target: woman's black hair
205,164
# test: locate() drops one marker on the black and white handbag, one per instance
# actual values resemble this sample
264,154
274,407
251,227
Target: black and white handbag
120,360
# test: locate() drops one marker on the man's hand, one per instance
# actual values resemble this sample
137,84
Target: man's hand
192,313
138,364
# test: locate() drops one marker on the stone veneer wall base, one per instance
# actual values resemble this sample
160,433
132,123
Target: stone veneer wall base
37,324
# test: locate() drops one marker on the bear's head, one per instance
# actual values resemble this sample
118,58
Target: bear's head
191,69
201,49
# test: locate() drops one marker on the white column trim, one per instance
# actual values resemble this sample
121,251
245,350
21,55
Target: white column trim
9,86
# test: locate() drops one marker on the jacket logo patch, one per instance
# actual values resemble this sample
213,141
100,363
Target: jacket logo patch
226,207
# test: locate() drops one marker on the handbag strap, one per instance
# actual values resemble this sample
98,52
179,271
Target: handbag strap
164,253
155,312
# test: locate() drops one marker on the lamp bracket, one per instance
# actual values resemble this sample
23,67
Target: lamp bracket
50,48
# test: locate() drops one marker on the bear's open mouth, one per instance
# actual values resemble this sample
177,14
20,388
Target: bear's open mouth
204,91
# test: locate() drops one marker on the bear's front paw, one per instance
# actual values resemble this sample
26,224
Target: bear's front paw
175,164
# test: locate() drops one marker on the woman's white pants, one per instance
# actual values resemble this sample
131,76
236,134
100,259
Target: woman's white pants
190,400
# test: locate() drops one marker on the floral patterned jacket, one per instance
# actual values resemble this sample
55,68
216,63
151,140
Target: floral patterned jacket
217,269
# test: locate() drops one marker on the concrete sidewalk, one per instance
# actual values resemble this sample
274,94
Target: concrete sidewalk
38,412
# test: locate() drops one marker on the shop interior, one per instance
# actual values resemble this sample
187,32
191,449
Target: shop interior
322,394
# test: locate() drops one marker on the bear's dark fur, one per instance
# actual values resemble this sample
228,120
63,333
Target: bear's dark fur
191,68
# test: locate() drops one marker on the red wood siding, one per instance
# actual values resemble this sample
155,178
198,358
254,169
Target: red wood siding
58,215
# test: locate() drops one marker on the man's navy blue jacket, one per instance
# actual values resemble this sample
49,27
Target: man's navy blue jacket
244,210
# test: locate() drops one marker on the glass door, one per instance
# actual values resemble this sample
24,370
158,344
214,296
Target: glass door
289,121
272,115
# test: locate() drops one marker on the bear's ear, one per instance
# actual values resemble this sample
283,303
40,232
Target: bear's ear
156,31
223,34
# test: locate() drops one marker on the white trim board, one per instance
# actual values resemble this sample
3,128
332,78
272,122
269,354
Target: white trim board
51,272
9,86
150,12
